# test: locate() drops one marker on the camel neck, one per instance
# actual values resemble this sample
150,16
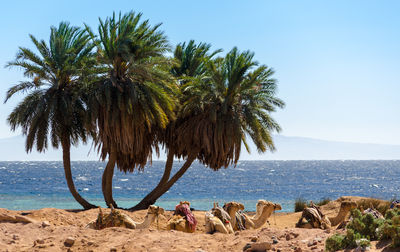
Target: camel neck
146,222
339,217
260,219
232,214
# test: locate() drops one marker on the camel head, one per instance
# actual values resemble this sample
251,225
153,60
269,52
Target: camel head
348,205
233,205
263,204
184,202
156,210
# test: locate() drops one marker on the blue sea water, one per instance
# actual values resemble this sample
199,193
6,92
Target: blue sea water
33,185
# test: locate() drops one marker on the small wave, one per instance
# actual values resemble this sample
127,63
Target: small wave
124,179
2,168
117,187
86,189
82,178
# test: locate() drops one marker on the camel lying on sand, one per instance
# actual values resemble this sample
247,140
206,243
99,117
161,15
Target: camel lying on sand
241,221
16,218
316,219
183,219
218,220
117,218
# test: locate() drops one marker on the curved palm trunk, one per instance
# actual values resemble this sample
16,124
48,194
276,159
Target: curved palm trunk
148,199
162,188
106,181
66,146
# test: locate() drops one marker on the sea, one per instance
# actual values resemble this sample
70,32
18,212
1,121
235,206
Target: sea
33,185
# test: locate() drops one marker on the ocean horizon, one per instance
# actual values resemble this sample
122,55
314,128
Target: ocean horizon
28,185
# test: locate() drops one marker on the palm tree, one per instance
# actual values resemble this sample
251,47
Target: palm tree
52,108
135,98
232,100
190,62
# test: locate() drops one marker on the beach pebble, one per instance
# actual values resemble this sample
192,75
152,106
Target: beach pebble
288,237
298,249
274,241
113,250
69,241
45,224
15,237
254,239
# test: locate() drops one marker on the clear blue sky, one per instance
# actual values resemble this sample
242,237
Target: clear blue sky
337,62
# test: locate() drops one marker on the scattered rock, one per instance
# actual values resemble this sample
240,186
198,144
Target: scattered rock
260,246
237,233
90,243
15,237
312,243
295,235
274,241
254,239
288,237
69,241
39,241
45,224
298,249
318,239
113,250
247,246
314,248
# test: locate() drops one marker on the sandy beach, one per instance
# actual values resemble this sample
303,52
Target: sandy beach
54,227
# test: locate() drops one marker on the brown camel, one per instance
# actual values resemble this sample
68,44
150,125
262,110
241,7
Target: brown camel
316,219
218,220
241,221
232,208
117,218
181,221
345,208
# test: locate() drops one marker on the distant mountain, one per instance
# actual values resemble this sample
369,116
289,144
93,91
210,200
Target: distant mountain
13,149
302,148
288,148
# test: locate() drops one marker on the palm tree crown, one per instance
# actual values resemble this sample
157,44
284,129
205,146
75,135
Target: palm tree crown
137,93
53,106
233,101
